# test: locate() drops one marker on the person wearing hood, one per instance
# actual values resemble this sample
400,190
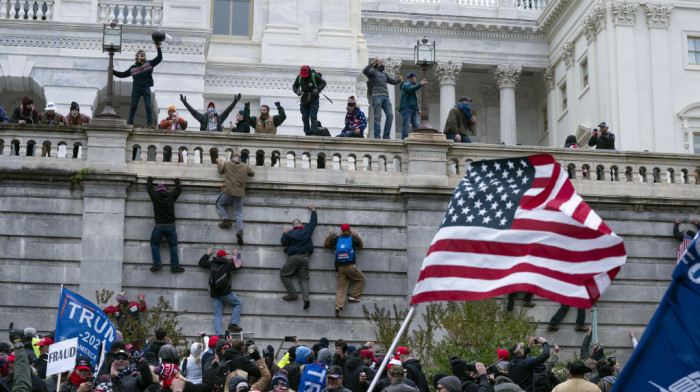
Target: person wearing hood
458,121
474,380
355,120
211,120
191,367
313,377
346,245
164,214
242,120
25,113
308,86
358,374
236,175
505,384
74,117
298,247
142,73
414,369
220,269
303,357
266,124
78,379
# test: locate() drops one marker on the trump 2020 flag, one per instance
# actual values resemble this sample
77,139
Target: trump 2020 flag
518,225
80,318
667,357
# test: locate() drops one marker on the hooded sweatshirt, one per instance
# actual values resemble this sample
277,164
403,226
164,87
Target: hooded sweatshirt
204,262
164,202
25,112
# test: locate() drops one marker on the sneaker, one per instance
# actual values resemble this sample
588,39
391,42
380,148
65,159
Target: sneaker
337,312
529,304
234,328
353,299
581,328
290,297
225,224
307,304
156,268
551,327
177,269
239,237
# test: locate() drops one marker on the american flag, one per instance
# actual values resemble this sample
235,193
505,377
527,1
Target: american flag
518,225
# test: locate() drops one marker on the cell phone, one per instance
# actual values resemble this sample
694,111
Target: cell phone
227,333
289,339
90,379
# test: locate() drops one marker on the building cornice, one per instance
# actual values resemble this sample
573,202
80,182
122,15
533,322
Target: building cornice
551,13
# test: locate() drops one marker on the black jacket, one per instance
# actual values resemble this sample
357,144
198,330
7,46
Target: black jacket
164,202
41,363
298,240
142,73
151,353
134,382
204,262
293,374
520,370
214,373
203,118
351,374
470,384
414,371
605,141
309,90
17,114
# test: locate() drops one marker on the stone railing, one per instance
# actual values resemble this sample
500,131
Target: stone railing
43,141
131,12
28,10
530,5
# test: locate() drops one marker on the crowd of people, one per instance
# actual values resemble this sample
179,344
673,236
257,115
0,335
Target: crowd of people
222,363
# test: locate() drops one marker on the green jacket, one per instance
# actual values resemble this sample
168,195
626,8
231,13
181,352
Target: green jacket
409,100
458,123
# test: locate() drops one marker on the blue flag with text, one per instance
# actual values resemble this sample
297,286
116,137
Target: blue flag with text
667,358
80,318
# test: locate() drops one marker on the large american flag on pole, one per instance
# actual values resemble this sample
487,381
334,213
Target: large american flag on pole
518,225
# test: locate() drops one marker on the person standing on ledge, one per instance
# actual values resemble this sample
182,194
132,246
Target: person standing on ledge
142,72
164,213
602,140
308,86
458,120
379,92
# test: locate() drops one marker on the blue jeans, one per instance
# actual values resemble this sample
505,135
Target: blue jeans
170,234
309,112
379,103
350,133
410,119
465,138
136,94
237,203
218,304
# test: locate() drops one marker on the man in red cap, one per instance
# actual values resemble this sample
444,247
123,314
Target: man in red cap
42,361
414,369
308,85
346,269
358,374
220,286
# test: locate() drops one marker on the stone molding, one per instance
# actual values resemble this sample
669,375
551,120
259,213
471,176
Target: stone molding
361,86
594,22
658,15
568,54
548,78
491,95
273,84
507,75
95,44
392,66
431,28
624,13
448,72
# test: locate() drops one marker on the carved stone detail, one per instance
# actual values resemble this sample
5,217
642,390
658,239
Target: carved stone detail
658,15
271,84
548,78
448,72
392,66
361,86
568,55
624,13
95,44
491,95
507,75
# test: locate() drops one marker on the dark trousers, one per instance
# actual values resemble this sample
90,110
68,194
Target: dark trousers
296,265
170,234
511,300
559,315
465,138
136,94
310,112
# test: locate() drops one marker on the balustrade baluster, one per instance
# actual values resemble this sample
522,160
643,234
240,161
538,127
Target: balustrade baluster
49,10
30,10
21,13
157,15
139,15
130,14
103,14
13,12
111,16
3,9
121,10
149,9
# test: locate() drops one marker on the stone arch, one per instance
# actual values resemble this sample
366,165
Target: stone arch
121,102
13,88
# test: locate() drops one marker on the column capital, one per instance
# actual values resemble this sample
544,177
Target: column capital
448,72
391,66
548,78
507,75
568,54
658,15
624,13
490,95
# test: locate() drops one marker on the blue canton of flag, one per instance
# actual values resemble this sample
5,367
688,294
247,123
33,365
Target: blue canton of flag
489,194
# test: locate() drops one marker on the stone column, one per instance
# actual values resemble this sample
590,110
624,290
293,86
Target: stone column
281,36
598,20
569,58
447,73
553,139
507,77
488,123
627,130
590,30
658,16
106,145
393,68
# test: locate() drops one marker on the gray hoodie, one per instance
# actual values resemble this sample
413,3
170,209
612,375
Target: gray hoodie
378,80
505,384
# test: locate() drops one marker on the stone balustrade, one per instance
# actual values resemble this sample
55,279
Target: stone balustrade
43,141
131,12
29,10
531,5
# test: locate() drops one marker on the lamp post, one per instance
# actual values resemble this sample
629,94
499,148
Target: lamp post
424,56
111,42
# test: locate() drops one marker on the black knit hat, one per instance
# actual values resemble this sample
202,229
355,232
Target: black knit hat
74,105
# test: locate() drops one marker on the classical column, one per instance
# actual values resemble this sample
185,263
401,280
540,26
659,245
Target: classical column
393,68
627,130
598,20
568,56
553,139
489,120
280,37
590,31
507,77
447,73
664,137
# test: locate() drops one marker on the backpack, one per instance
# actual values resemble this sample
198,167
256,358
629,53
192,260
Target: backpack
219,277
313,77
344,253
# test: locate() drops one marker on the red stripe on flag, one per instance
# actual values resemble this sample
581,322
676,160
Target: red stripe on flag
529,203
581,212
461,271
603,228
540,182
455,295
542,159
566,192
579,233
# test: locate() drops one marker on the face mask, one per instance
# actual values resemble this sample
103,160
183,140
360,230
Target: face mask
74,115
236,159
211,111
351,104
380,68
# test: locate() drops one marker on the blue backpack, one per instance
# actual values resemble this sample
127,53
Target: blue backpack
344,253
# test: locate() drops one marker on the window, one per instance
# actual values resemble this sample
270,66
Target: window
231,17
696,142
562,93
584,73
694,50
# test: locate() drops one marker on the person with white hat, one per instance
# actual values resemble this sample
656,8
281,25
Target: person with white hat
50,117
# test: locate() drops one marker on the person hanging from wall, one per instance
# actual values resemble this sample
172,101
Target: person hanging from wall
308,86
685,236
211,120
346,245
164,214
142,73
236,175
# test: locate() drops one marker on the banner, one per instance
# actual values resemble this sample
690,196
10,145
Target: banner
80,318
666,358
62,356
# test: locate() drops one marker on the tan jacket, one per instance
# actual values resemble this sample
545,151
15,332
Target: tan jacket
265,126
261,384
235,177
576,385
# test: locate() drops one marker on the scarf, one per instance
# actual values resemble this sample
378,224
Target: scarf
466,109
75,379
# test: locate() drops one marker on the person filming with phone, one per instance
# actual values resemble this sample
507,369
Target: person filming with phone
80,380
520,369
173,122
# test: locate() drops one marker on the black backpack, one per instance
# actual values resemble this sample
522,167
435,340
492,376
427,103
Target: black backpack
219,277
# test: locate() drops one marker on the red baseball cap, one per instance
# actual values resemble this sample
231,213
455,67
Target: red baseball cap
345,227
11,358
45,342
212,341
502,354
221,253
304,72
402,350
367,353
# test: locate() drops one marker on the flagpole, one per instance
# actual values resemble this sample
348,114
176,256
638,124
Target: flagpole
390,352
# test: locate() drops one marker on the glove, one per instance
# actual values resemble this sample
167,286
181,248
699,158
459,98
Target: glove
277,103
137,357
183,98
16,337
253,352
299,93
314,92
236,98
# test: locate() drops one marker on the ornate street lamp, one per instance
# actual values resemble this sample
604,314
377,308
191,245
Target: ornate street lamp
111,42
424,56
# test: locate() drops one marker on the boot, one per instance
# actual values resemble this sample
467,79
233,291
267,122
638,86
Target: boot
225,224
